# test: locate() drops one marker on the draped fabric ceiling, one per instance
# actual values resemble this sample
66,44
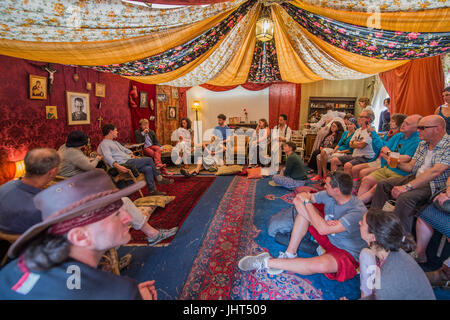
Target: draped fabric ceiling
214,43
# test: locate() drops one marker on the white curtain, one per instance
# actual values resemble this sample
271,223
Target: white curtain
379,95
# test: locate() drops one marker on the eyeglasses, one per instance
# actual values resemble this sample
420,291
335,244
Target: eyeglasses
425,127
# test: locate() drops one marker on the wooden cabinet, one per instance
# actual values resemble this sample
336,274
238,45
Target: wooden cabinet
309,142
318,105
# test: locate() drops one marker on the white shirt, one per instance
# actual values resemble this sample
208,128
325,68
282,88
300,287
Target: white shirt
181,132
285,132
329,115
426,164
362,135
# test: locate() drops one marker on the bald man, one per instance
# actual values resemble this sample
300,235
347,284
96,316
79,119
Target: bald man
405,143
429,169
17,210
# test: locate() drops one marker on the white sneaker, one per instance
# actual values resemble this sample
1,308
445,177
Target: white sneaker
258,263
286,255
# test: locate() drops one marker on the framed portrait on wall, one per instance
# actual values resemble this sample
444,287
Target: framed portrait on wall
172,113
100,90
143,98
38,87
175,93
78,108
162,97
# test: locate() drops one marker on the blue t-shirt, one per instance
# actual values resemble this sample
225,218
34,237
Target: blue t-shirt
71,280
223,132
349,214
344,142
17,210
398,143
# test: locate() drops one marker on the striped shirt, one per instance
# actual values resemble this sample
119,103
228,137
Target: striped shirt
441,154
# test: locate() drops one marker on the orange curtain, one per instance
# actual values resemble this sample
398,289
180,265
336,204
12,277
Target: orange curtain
284,98
415,87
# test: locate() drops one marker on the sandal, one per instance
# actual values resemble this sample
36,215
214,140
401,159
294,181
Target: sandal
194,173
185,173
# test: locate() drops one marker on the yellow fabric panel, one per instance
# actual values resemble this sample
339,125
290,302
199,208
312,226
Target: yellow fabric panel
291,66
355,61
169,76
236,72
435,20
107,52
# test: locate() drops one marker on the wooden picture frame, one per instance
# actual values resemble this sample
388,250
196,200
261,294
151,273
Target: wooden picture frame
143,99
172,113
78,108
100,90
38,87
162,97
175,93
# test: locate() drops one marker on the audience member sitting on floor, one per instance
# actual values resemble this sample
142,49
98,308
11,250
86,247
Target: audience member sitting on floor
17,211
337,232
405,144
361,143
341,149
184,137
326,148
82,217
386,271
259,144
212,157
117,155
444,110
434,217
152,147
73,160
294,174
363,169
429,169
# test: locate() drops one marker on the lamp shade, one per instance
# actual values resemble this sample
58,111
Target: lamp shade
20,169
196,106
264,29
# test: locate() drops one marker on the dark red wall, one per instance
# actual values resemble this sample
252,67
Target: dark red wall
22,123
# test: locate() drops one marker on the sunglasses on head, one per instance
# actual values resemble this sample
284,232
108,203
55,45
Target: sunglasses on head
425,127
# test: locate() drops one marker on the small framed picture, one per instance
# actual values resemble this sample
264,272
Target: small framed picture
38,87
51,112
162,97
175,93
88,86
78,108
100,90
172,113
143,98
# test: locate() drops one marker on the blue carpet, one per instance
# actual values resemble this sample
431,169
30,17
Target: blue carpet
170,265
264,209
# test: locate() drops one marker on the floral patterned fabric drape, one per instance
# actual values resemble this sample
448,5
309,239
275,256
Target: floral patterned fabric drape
264,67
380,44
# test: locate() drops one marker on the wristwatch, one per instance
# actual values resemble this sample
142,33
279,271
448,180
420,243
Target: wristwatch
306,201
409,186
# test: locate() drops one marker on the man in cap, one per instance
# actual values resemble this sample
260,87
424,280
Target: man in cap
82,217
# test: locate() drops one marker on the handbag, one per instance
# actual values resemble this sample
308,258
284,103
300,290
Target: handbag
445,207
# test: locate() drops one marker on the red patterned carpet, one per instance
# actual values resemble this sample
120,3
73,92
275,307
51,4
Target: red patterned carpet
187,192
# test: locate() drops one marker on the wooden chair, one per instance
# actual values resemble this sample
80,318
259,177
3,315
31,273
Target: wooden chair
10,238
240,151
126,176
299,141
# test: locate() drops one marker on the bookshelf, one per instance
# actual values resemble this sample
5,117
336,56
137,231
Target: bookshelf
319,104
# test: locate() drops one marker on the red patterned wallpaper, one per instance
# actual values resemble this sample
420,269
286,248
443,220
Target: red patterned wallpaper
23,125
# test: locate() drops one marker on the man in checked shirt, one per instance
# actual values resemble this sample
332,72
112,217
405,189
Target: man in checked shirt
429,168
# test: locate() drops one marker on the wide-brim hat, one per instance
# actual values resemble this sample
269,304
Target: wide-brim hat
71,198
76,139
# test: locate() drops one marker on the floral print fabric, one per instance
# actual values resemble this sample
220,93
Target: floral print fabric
99,20
181,55
376,43
264,66
380,5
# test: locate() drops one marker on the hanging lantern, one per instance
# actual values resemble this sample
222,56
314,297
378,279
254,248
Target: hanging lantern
264,26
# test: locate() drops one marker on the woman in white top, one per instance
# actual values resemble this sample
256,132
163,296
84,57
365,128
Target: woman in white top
183,136
260,139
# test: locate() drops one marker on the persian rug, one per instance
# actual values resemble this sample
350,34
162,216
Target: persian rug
187,192
215,274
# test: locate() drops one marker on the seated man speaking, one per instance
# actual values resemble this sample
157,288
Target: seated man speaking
117,155
337,232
